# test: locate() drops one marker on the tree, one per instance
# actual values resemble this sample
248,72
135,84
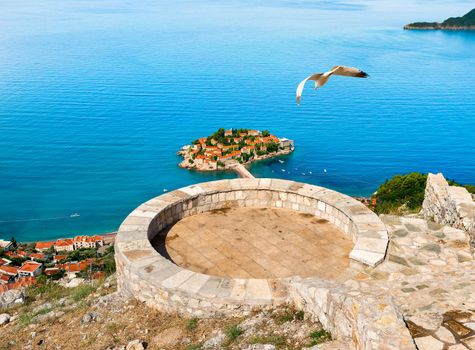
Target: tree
261,153
14,242
265,133
82,254
272,147
402,192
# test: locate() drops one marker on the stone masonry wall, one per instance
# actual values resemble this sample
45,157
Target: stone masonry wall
449,205
369,323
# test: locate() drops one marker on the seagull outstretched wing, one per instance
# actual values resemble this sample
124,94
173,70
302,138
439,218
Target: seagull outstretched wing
322,78
301,85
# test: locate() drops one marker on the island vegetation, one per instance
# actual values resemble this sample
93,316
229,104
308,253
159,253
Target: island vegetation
405,193
226,148
466,22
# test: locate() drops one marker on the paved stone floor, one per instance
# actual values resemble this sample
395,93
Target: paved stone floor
258,243
430,272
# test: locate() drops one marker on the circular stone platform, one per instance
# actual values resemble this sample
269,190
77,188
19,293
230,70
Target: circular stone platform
150,276
257,243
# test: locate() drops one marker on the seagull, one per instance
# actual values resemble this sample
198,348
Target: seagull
322,78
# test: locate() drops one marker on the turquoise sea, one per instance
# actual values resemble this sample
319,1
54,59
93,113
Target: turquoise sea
96,97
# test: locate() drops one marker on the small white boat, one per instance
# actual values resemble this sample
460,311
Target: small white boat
281,161
310,172
283,170
165,190
74,215
324,170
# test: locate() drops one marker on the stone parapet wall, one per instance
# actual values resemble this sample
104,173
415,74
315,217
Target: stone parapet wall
146,275
449,205
371,322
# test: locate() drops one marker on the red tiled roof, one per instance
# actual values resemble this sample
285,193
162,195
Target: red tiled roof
37,256
21,282
75,266
4,261
13,255
9,270
87,239
98,275
29,266
43,245
5,278
51,271
59,257
63,242
22,253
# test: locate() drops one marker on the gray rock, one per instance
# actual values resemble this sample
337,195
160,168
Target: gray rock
42,307
4,319
89,317
73,283
11,297
260,347
215,342
135,345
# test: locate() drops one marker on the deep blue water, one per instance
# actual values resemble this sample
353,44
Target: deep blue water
97,96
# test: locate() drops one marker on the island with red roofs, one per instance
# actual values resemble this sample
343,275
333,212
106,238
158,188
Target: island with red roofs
226,148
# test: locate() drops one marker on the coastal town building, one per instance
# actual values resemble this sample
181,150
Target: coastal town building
88,242
43,246
4,279
9,270
30,268
58,258
5,245
51,271
12,255
37,256
19,283
71,268
4,261
284,142
64,245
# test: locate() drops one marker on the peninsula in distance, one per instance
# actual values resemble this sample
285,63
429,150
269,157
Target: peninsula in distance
466,22
226,148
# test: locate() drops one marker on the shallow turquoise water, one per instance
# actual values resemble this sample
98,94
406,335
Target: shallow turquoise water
96,98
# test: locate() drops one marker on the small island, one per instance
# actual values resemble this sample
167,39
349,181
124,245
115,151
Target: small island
226,148
466,22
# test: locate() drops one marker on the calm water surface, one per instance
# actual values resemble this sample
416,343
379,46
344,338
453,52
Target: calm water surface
96,97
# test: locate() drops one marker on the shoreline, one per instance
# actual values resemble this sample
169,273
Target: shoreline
450,29
106,234
229,168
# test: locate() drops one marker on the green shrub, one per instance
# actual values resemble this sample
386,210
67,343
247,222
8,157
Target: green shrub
25,318
192,324
82,291
288,315
402,192
48,290
233,332
405,193
320,336
470,188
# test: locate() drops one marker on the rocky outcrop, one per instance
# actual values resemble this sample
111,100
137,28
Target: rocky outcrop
11,297
449,205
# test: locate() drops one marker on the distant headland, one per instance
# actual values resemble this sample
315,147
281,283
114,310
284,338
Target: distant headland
466,22
226,148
